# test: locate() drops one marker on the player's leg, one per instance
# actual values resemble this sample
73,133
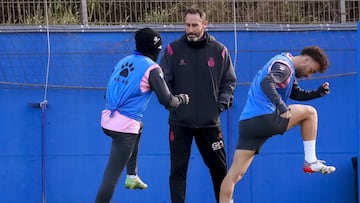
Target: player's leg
131,166
251,138
121,148
306,116
132,180
241,162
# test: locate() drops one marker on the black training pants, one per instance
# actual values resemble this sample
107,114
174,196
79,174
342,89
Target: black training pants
123,152
211,147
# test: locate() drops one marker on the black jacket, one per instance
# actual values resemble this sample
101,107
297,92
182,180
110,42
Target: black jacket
204,71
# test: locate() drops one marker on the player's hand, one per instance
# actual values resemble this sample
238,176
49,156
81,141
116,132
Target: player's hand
286,114
324,89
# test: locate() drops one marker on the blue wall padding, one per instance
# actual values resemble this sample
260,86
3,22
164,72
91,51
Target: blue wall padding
77,149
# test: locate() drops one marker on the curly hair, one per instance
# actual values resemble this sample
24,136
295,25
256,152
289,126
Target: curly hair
318,55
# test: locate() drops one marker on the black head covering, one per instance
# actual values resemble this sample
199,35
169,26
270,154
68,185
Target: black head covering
148,42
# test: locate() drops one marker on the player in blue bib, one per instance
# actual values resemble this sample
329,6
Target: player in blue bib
266,112
129,90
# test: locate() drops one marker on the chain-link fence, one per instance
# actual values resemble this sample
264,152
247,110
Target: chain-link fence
120,12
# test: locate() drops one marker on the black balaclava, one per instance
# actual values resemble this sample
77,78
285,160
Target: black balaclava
148,42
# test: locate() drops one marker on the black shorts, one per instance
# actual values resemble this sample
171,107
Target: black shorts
255,131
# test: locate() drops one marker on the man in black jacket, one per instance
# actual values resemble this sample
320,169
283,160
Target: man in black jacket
200,66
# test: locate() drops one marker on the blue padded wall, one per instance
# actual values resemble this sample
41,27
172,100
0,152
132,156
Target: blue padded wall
76,148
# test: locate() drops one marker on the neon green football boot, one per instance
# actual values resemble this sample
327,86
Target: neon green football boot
134,183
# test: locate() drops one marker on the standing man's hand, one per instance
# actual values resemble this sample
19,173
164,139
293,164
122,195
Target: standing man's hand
183,98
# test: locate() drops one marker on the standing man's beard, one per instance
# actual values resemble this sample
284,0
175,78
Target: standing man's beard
194,37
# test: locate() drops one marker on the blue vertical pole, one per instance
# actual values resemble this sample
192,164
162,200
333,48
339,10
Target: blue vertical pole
43,106
43,150
358,111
